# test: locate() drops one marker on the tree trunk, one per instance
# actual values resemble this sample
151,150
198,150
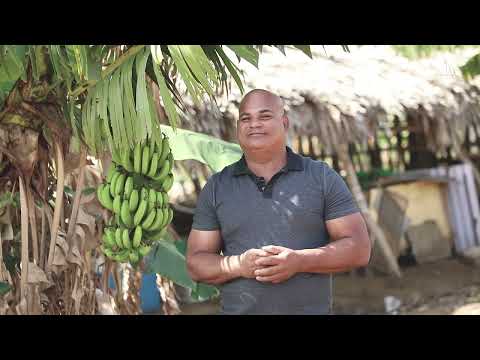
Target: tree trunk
33,222
58,205
24,237
168,295
72,222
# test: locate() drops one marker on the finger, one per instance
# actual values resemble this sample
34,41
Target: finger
273,278
273,249
267,261
260,252
268,271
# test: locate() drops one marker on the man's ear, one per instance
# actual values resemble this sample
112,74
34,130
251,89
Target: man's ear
286,122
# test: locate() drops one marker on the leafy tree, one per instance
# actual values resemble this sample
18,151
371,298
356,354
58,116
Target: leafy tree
60,104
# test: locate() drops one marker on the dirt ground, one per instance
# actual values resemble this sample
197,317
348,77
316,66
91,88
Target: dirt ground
435,288
440,288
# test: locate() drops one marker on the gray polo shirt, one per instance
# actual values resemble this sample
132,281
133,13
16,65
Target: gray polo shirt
289,211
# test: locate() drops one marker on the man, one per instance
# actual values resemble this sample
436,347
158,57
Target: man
272,227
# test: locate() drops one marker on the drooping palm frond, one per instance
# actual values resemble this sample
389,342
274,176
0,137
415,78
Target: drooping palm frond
108,95
129,117
305,49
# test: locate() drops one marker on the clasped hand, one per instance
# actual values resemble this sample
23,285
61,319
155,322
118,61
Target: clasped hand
271,263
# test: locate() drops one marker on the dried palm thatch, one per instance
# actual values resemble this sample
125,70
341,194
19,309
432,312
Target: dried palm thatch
358,93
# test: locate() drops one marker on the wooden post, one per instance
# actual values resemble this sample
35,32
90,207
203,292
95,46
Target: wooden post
456,143
376,232
420,156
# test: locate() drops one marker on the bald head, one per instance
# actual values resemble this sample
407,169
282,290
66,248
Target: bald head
262,124
262,98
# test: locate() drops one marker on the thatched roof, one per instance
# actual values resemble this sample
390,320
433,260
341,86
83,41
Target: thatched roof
361,91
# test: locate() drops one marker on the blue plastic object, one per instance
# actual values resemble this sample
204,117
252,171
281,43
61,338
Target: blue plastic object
150,300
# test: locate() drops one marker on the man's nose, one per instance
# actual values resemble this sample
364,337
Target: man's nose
255,123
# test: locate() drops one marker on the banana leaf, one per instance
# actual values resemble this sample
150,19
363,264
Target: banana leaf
306,49
4,288
12,67
12,62
167,258
213,152
247,52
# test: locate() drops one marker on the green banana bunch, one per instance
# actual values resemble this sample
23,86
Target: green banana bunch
144,193
167,183
152,200
164,171
158,222
133,201
109,237
120,184
118,238
128,187
125,214
127,243
142,209
103,195
133,257
155,235
149,219
107,251
137,158
159,199
115,176
111,171
145,159
135,191
117,204
154,159
121,256
126,161
165,150
144,250
153,165
137,237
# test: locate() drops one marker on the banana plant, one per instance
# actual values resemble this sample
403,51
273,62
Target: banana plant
62,105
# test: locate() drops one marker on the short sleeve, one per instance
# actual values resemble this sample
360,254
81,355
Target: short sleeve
338,198
205,217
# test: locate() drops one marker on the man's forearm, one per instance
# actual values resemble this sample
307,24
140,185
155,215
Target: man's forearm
338,256
213,268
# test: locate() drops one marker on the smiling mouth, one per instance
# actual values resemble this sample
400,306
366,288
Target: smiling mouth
256,134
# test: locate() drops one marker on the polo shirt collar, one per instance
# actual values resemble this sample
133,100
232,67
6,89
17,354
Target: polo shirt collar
294,163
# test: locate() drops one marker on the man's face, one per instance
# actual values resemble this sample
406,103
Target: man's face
261,122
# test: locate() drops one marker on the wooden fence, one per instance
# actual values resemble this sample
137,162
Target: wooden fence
396,149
